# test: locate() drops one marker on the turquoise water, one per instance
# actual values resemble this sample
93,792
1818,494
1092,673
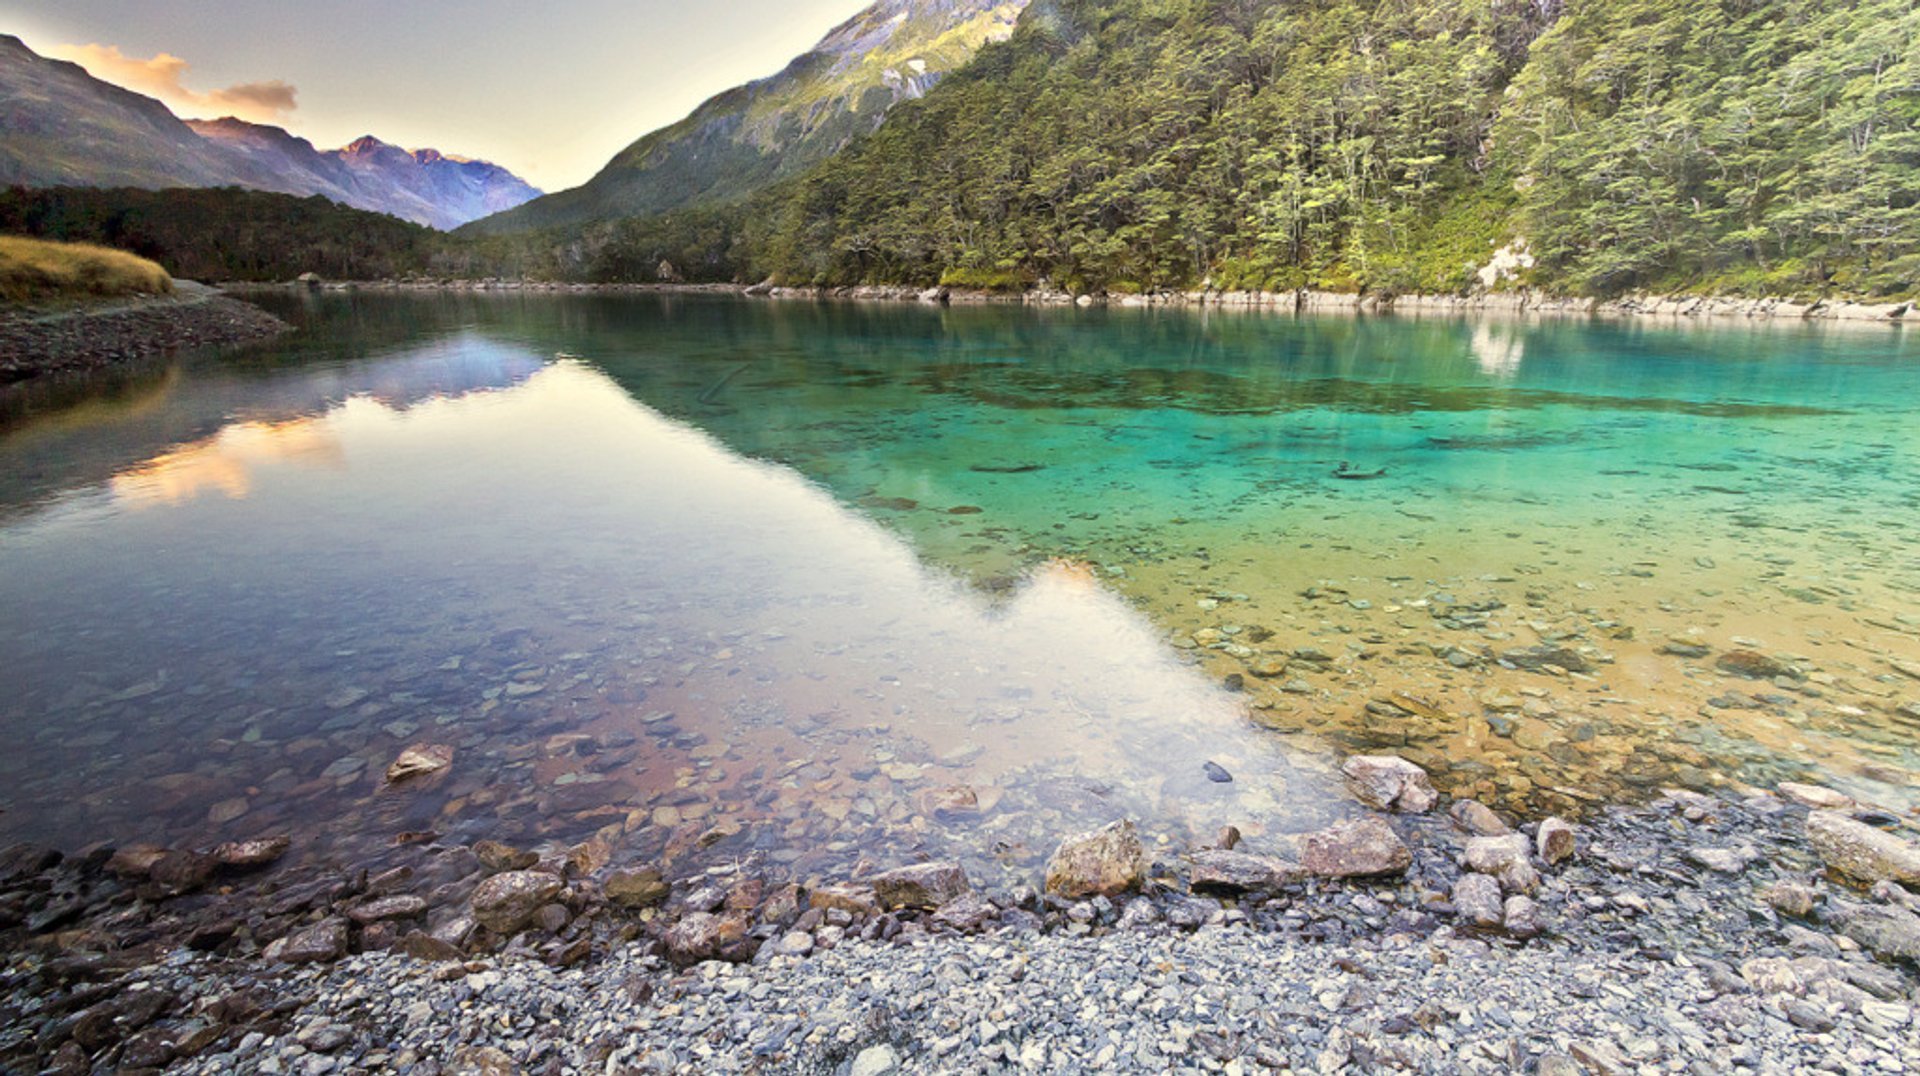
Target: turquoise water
719,577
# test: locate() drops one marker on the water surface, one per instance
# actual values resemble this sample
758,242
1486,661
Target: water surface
816,583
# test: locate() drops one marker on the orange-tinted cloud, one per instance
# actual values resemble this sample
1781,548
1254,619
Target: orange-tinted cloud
164,76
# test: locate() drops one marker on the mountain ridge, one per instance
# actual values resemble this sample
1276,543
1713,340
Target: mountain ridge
745,138
61,126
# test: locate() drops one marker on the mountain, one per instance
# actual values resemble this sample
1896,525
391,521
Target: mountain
424,186
60,126
754,135
1601,146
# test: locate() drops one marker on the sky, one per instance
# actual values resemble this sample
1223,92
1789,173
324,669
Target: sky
550,90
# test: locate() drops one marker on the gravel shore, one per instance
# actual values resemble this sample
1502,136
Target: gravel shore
1688,935
36,342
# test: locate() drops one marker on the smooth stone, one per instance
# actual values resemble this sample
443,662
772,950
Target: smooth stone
1103,863
1223,871
1856,849
922,885
1555,841
1477,900
506,902
1355,849
1389,783
1478,819
1217,773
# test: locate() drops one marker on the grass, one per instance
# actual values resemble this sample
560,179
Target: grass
37,271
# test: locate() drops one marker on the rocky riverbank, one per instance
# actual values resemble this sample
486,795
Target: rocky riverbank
36,342
1768,932
1514,302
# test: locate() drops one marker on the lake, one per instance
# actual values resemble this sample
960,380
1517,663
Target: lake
717,578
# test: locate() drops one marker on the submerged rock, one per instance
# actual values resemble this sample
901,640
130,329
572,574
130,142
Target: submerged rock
1754,665
922,885
419,761
1860,851
1389,783
1355,849
1103,863
255,853
1545,658
644,888
1478,819
1817,797
506,902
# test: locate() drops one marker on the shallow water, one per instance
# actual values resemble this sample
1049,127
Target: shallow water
718,578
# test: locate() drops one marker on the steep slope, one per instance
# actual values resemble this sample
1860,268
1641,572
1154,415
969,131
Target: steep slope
1276,144
754,135
60,126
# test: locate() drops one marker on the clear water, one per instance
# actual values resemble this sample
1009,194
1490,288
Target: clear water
816,583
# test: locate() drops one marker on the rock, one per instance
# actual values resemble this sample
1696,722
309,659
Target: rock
497,857
1217,773
182,872
704,936
1477,900
1861,851
854,900
967,913
1542,658
922,885
1494,855
1523,918
644,888
1815,796
1888,932
419,761
1791,898
384,908
421,946
1808,1016
880,1060
1355,849
135,861
794,943
1228,838
1228,872
242,855
1753,665
1724,860
481,1061
1103,863
505,902
1555,841
1478,819
324,942
1389,783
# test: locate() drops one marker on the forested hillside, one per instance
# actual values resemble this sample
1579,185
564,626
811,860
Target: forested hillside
1124,144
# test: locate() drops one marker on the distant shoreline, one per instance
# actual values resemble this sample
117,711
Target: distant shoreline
1505,304
36,342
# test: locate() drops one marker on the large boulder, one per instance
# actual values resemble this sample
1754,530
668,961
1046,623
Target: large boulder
1355,849
506,902
922,885
1217,870
1104,863
1856,849
1389,783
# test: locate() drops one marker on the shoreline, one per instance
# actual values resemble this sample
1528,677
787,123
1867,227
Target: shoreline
36,343
1434,931
1304,301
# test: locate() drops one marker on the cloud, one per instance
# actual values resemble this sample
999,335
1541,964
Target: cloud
164,76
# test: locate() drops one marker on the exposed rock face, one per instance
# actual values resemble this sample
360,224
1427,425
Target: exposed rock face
1355,849
1104,863
1856,849
922,885
1222,871
505,903
1389,783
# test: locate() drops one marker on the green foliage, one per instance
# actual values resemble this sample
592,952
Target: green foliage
225,233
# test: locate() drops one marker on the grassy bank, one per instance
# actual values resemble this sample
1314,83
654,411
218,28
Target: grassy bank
38,271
